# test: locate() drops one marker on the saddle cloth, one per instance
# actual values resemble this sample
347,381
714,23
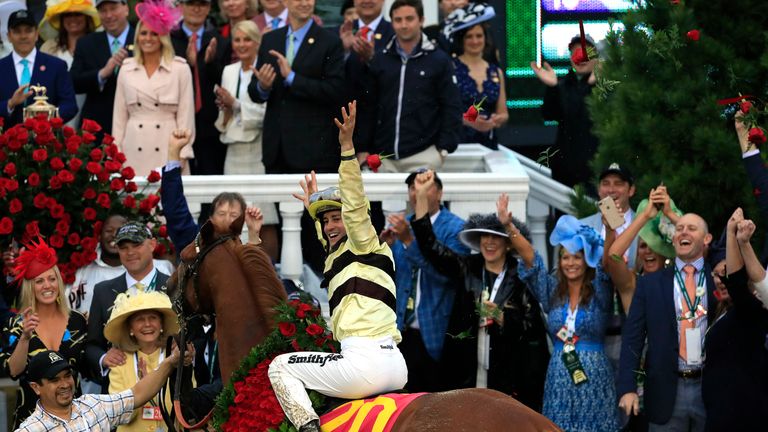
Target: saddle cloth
375,415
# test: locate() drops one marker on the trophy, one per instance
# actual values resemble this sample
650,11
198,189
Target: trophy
40,106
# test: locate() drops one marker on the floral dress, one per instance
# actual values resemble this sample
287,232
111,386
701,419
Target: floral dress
470,95
71,348
590,406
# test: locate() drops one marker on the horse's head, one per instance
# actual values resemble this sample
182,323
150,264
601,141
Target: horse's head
190,295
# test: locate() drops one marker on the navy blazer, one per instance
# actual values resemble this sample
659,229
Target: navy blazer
182,228
652,314
48,71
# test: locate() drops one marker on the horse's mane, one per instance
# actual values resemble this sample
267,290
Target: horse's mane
260,274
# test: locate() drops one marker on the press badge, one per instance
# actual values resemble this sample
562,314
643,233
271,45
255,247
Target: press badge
693,346
151,413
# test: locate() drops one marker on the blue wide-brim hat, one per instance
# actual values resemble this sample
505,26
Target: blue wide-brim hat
575,236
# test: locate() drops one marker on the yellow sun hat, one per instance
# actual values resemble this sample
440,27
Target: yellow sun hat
51,22
116,330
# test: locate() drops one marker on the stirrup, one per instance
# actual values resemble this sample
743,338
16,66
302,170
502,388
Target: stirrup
313,426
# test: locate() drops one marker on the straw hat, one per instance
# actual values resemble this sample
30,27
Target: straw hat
116,330
49,26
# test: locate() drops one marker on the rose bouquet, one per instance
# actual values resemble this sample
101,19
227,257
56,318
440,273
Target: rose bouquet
61,184
248,402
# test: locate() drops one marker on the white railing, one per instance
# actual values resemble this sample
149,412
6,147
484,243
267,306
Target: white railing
473,177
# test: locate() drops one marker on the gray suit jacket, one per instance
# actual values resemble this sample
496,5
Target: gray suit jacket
104,294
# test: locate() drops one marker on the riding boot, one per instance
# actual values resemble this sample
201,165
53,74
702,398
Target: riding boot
313,426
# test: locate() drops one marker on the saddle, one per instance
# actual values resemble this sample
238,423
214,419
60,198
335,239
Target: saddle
377,413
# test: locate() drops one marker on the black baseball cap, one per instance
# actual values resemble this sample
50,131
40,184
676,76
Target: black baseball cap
133,231
412,177
577,40
21,17
618,170
46,364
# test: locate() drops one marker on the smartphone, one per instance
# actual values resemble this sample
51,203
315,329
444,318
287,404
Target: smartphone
659,206
610,212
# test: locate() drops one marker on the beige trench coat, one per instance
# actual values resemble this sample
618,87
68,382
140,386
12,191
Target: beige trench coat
148,109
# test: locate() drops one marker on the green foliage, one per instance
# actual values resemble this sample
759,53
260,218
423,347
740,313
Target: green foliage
657,111
582,205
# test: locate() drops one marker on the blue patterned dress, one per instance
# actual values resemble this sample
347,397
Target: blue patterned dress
470,95
591,406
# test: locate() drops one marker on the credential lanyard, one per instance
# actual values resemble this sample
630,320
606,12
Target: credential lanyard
681,285
496,283
570,321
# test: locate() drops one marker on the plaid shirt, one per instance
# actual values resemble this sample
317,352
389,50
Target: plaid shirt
91,412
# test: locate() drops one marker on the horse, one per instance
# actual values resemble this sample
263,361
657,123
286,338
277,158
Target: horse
238,283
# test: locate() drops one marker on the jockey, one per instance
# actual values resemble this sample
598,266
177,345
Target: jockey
359,273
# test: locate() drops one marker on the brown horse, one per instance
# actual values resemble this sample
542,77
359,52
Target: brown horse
239,283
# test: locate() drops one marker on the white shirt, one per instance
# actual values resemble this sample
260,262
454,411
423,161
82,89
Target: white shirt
283,18
130,282
372,25
17,58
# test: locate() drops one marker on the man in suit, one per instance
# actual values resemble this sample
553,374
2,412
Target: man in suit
135,245
670,309
363,37
97,60
27,66
206,53
275,16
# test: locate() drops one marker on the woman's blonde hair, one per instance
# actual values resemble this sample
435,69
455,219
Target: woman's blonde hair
165,41
249,28
28,294
251,9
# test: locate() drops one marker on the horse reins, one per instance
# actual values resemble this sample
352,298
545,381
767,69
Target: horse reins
191,271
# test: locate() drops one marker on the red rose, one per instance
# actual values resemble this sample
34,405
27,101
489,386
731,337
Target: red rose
57,211
129,201
15,206
32,229
66,176
10,169
89,193
693,35
39,155
22,134
120,157
73,143
88,138
50,202
62,228
103,177
30,123
73,239
314,330
287,329
474,110
55,183
11,185
89,243
374,162
56,241
112,166
117,184
57,163
128,173
103,200
3,156
153,177
111,150
40,200
147,204
162,231
295,345
89,213
67,131
302,310
15,145
745,106
93,167
96,155
579,56
6,224
57,122
131,187
756,136
90,126
159,250
108,139
33,179
42,128
75,164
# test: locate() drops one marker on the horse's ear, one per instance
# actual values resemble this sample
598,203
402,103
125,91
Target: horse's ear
206,233
236,227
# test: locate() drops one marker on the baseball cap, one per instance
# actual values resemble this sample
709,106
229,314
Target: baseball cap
577,40
46,364
21,17
99,2
618,170
412,177
133,231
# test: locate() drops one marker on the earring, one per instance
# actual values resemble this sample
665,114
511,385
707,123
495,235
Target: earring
161,331
131,334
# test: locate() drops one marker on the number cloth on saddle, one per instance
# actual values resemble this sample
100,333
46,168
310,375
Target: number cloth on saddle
376,414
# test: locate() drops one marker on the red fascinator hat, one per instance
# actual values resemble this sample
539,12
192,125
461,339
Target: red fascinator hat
160,16
36,258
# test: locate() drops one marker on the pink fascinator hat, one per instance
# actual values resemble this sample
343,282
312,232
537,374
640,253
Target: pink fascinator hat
160,16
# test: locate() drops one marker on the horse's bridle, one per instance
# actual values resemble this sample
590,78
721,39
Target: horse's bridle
190,271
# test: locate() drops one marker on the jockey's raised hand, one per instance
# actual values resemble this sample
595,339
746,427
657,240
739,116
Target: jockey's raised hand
347,128
308,186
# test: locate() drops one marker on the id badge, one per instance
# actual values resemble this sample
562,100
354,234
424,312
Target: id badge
693,346
151,413
573,365
562,334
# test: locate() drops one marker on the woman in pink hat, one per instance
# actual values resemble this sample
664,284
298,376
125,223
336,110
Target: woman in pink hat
45,323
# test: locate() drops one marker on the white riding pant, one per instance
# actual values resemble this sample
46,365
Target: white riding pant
364,367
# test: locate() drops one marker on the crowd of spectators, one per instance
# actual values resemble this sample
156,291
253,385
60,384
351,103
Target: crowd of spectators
617,329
